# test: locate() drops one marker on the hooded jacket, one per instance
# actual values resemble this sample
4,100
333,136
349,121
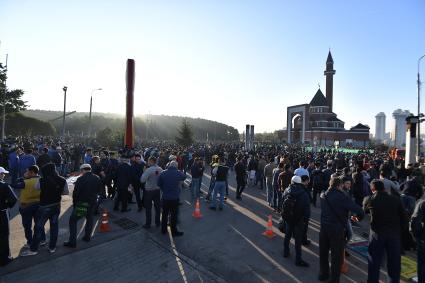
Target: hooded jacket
52,186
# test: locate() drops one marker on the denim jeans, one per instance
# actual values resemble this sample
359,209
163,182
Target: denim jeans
276,197
420,245
211,187
50,213
219,188
391,246
269,191
195,188
28,213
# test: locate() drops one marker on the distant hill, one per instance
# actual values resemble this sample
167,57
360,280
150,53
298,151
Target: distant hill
146,127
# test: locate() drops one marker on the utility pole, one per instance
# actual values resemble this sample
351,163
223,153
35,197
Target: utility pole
91,103
64,111
3,125
418,140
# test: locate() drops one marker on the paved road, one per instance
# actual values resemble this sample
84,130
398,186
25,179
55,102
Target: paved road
222,246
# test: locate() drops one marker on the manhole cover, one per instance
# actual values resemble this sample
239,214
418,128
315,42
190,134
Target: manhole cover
125,223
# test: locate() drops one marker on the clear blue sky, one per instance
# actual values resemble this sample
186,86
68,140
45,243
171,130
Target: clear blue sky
237,62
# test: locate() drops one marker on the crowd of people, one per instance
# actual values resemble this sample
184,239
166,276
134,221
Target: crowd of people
346,186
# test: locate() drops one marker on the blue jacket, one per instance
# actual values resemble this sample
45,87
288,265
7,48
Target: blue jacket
25,161
169,183
13,162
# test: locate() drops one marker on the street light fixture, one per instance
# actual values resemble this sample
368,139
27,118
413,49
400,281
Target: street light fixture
418,140
64,111
91,103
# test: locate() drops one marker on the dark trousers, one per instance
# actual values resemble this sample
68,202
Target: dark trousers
137,188
121,197
391,246
331,239
259,179
4,237
28,214
296,231
420,245
315,193
240,187
50,213
73,220
149,197
169,207
305,230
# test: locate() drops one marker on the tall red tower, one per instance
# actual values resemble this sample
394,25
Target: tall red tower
329,73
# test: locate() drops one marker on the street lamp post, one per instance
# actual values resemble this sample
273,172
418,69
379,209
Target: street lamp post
418,140
64,111
91,103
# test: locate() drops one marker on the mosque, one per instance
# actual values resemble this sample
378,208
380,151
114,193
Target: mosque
316,123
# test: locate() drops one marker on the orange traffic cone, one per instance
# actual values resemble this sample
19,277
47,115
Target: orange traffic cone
269,231
197,212
344,265
104,226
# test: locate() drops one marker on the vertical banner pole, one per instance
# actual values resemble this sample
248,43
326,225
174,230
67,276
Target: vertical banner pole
129,130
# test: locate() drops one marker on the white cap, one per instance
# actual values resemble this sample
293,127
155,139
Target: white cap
85,166
172,157
173,164
3,171
296,180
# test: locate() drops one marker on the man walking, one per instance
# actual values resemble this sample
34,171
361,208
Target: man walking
197,172
87,187
220,185
297,200
385,235
124,177
169,183
240,172
268,174
152,193
335,206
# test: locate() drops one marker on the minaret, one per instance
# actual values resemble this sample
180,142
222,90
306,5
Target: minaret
329,73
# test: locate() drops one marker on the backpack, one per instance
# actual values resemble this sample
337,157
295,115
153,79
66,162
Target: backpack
288,208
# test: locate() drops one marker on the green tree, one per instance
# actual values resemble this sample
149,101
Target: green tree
185,134
13,98
110,138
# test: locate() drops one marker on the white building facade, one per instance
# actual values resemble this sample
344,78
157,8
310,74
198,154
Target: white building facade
380,127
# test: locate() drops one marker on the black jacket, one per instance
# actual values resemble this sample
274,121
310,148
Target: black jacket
302,204
51,185
388,216
336,206
86,189
240,171
43,160
124,176
6,196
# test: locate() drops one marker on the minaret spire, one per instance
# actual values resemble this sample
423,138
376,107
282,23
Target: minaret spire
329,73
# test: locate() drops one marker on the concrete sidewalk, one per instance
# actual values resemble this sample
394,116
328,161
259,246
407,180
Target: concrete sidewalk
132,258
